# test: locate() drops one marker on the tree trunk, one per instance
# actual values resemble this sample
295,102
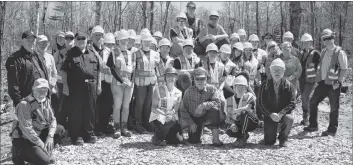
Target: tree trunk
267,17
282,20
98,12
43,18
2,27
37,18
115,16
120,15
345,6
312,26
151,15
71,17
295,18
144,14
247,29
257,19
166,17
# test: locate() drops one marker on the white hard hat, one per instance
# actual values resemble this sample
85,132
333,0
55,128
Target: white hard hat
278,62
132,34
234,35
97,29
157,34
42,38
145,30
272,43
109,38
116,34
253,37
138,39
146,36
211,46
306,37
181,15
164,42
241,32
327,33
188,42
247,45
214,13
239,46
123,34
288,34
225,49
240,80
154,41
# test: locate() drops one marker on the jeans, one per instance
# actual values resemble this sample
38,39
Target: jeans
270,128
143,102
306,89
122,97
320,92
25,150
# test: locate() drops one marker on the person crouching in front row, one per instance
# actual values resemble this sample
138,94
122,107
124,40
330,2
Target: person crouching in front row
164,114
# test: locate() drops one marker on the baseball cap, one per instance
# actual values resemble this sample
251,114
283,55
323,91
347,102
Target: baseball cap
27,34
40,83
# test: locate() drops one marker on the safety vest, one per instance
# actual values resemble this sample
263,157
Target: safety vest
310,70
228,67
106,74
145,68
334,68
177,48
161,68
167,101
232,104
215,75
185,64
124,65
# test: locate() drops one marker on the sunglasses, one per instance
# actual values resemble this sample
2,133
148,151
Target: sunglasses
81,38
213,18
200,79
268,38
327,38
69,38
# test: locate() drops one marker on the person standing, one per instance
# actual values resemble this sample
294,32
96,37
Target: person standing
165,60
214,68
23,68
330,75
309,59
242,35
277,101
83,82
230,69
260,55
237,55
273,52
288,37
193,22
178,34
132,40
158,36
293,67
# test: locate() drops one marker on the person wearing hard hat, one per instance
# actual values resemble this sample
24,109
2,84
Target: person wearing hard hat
132,40
82,81
122,62
154,45
309,59
193,22
229,66
288,36
188,60
158,36
240,113
330,75
237,55
213,32
165,60
268,37
178,34
234,38
145,80
164,114
277,100
201,104
255,79
137,43
35,131
242,35
259,53
214,68
273,52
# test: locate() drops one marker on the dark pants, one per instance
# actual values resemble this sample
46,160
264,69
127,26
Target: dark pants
306,89
247,123
168,131
143,102
270,128
82,110
257,108
320,92
212,118
131,120
105,107
25,150
62,106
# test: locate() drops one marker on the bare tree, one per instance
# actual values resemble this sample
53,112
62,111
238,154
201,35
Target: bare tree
2,28
267,17
44,14
151,15
295,18
257,19
312,27
37,17
98,12
144,14
166,16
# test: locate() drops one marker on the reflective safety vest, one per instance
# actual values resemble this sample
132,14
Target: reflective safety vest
232,105
161,68
228,67
106,74
334,68
145,68
167,101
125,66
215,75
310,70
185,63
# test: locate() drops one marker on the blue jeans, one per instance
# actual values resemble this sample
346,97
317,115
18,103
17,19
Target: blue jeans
270,128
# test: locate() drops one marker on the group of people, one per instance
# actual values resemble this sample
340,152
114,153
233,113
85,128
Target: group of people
200,78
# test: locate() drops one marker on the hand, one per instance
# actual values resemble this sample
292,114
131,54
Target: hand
49,144
193,128
233,128
169,117
208,105
53,90
99,90
213,38
335,85
199,110
248,107
274,117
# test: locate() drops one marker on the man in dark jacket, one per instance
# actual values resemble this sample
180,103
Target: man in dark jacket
23,68
276,101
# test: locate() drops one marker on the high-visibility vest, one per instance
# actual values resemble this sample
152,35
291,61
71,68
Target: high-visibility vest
161,68
177,48
215,75
232,104
124,67
228,67
145,68
106,74
185,64
334,68
310,70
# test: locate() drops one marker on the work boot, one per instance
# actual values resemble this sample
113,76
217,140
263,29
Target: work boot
90,139
283,143
16,156
311,128
77,141
139,128
327,133
241,142
156,141
124,131
117,131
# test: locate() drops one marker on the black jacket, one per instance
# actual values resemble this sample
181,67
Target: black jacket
20,74
266,96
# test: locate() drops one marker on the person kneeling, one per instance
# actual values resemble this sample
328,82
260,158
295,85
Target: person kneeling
34,129
164,114
241,113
